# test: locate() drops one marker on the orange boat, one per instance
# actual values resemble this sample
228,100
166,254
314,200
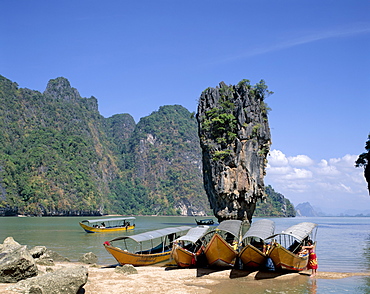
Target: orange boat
285,251
185,248
145,248
221,250
253,253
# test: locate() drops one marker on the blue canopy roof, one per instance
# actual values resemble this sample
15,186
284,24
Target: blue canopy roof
194,234
299,231
262,229
154,234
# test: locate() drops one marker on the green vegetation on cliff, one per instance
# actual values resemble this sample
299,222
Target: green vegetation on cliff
274,205
364,161
59,156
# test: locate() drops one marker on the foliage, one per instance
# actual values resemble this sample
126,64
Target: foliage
275,205
364,160
59,156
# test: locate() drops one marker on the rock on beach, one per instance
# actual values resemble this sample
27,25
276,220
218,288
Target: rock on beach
74,277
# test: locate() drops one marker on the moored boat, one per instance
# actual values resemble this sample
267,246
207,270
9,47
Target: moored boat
146,248
205,222
253,246
186,248
108,224
285,251
221,250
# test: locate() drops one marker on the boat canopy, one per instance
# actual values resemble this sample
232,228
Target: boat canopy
153,234
230,226
194,234
262,229
299,231
108,219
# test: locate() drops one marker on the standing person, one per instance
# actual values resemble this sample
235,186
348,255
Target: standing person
312,258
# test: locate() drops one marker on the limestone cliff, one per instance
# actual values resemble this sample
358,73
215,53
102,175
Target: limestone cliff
235,140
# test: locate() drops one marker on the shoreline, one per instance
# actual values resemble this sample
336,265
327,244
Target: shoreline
102,279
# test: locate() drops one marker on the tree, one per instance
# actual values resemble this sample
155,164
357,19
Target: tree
364,160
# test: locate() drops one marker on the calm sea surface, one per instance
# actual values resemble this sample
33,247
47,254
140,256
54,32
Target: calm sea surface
343,246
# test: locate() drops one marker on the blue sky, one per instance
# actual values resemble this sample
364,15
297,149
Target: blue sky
135,56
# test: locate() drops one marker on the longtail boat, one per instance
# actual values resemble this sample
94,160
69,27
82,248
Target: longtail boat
221,250
253,252
285,250
185,248
207,222
145,248
108,224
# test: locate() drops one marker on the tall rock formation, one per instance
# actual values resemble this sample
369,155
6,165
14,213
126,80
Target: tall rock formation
364,160
235,140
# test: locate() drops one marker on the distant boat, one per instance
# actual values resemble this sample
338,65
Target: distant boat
253,252
221,250
185,248
285,250
204,222
108,224
145,248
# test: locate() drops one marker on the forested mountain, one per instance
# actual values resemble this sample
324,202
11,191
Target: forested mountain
274,205
59,156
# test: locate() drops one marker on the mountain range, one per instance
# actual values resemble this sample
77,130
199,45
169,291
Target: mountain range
59,156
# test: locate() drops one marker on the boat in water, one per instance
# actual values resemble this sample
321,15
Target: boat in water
186,249
108,224
253,244
146,248
221,250
285,251
205,222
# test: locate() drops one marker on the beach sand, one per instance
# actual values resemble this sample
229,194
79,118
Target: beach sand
156,279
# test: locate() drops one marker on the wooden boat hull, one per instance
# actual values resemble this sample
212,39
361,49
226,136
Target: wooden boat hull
252,257
286,260
90,229
219,253
182,257
125,257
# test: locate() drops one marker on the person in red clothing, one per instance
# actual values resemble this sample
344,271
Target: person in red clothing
312,258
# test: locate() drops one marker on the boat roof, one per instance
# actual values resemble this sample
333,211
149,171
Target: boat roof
194,234
108,219
230,226
262,229
299,231
154,234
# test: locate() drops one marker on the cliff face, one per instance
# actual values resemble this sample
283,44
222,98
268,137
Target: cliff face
168,161
235,140
59,156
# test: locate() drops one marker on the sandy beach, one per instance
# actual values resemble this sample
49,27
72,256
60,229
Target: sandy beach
156,279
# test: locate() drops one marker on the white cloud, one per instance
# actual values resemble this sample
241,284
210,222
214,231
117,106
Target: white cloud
300,160
332,183
277,158
303,38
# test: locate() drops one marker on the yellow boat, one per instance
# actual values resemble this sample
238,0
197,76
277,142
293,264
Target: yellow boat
186,249
108,224
290,257
253,252
145,248
221,250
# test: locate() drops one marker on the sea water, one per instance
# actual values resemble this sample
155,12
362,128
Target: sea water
343,245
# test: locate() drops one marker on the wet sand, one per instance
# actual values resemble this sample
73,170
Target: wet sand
155,279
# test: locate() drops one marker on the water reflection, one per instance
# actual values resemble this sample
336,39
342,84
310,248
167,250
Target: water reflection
367,253
312,286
